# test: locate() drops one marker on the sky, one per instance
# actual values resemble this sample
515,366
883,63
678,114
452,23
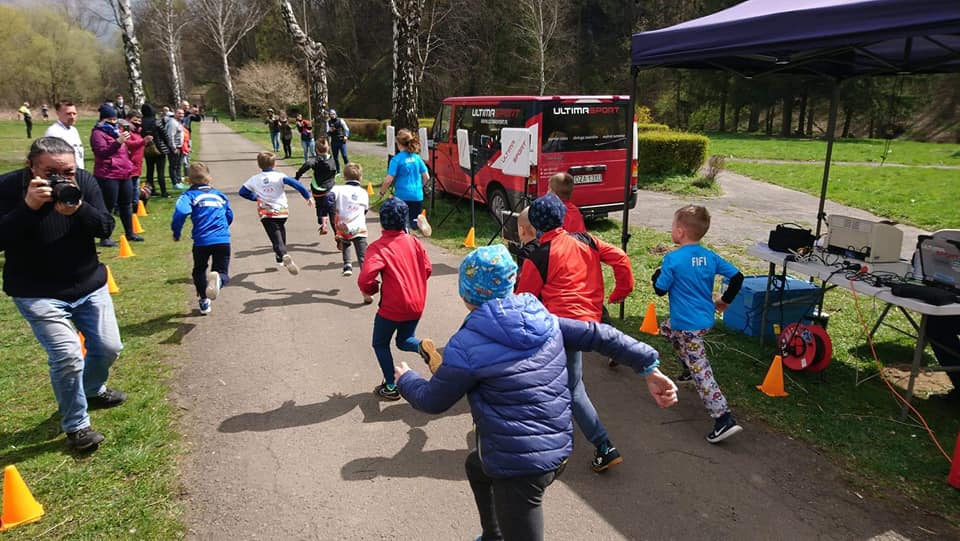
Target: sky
92,10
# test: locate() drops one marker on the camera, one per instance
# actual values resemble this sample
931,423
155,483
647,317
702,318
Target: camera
65,190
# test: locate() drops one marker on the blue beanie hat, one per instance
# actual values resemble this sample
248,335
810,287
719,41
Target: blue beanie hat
547,213
488,272
107,111
393,214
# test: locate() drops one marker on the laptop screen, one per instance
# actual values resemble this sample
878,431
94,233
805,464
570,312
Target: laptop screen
940,262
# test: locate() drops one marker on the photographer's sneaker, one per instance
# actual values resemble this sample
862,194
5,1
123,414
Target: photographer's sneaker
213,285
288,263
724,427
85,439
205,306
107,399
605,458
424,226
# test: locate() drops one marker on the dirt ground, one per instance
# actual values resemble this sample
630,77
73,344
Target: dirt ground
286,440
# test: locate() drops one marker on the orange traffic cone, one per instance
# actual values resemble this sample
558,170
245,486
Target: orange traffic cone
111,284
369,188
470,241
650,325
19,506
125,250
83,344
137,228
773,383
954,477
141,210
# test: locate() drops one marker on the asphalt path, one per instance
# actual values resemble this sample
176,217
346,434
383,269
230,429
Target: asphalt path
287,441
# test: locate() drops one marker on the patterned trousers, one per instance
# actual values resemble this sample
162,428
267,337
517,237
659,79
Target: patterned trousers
693,357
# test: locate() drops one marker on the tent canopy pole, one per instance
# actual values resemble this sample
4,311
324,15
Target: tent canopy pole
625,220
831,131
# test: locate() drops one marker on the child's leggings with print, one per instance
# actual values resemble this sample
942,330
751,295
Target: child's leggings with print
692,355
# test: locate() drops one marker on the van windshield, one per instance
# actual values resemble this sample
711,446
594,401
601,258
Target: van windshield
580,127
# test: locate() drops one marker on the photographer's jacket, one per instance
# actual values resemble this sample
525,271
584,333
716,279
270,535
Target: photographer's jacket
48,254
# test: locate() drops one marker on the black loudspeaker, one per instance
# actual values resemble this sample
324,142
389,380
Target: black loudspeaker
791,238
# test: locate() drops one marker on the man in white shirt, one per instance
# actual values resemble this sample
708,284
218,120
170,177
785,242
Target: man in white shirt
64,129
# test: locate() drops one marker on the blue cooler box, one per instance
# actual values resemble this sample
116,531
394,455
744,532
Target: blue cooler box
795,301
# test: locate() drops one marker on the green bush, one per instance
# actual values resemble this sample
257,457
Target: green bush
670,153
366,129
651,126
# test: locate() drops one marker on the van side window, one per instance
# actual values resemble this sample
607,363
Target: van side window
485,122
442,131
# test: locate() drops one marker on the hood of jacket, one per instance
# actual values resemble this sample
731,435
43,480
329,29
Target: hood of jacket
147,110
518,322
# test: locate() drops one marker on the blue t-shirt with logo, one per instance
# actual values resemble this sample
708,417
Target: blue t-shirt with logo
688,274
407,170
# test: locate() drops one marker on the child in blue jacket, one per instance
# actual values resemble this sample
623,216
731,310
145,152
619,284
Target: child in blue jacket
508,359
210,212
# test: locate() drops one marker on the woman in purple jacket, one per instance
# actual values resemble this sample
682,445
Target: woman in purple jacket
113,169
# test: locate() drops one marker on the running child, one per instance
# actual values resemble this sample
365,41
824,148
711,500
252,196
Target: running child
688,275
324,178
408,174
403,267
266,188
351,202
210,212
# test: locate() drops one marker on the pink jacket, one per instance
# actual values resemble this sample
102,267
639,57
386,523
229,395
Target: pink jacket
110,157
135,146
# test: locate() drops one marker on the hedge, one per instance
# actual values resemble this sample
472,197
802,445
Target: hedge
642,127
670,153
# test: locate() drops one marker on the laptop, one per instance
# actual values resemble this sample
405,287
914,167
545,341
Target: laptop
940,262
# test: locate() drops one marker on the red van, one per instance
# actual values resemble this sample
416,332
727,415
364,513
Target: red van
582,135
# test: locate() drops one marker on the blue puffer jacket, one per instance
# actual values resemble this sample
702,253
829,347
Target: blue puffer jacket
211,214
508,358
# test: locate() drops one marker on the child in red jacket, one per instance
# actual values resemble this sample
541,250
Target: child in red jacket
403,266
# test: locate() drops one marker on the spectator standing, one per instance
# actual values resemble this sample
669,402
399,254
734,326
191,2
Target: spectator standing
112,169
175,137
273,124
65,128
155,157
45,111
337,133
286,135
57,283
24,111
306,138
120,106
136,145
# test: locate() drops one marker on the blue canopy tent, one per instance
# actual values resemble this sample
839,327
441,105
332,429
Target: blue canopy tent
832,39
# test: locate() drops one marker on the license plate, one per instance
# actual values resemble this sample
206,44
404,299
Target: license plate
588,179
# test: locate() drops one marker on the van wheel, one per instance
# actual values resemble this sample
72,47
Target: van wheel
497,201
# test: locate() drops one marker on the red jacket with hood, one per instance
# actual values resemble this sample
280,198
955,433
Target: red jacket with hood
403,266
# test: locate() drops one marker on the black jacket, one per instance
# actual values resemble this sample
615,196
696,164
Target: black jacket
151,126
324,173
50,255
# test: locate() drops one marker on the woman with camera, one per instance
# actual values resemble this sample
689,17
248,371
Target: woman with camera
113,169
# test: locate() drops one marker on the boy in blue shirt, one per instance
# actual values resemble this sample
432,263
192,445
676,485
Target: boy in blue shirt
210,212
688,274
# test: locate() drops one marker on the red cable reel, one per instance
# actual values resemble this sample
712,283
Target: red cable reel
805,347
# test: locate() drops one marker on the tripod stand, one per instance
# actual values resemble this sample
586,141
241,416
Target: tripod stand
474,193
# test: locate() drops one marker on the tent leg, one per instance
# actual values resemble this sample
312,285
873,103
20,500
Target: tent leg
831,131
625,221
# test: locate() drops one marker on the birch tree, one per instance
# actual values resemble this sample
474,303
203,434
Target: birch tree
123,16
223,24
541,23
406,50
316,55
169,19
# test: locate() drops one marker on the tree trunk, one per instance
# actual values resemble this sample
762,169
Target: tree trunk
228,85
787,115
736,118
316,55
174,75
802,116
723,105
406,26
810,117
753,124
847,119
131,51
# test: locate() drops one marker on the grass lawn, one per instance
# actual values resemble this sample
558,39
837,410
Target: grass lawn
917,196
129,488
857,427
739,145
14,144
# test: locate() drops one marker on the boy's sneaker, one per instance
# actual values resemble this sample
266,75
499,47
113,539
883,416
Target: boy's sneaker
367,299
605,458
386,393
213,285
685,376
424,225
428,351
205,306
84,439
288,263
107,399
724,427
348,270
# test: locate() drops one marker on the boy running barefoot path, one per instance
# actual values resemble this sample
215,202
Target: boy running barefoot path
211,214
400,261
688,274
266,188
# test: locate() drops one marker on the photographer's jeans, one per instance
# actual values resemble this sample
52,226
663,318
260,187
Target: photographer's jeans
72,376
275,140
